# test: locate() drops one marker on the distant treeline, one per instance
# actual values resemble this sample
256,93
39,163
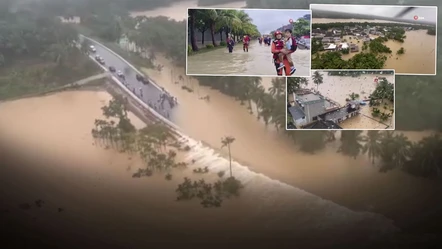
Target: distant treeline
357,73
341,25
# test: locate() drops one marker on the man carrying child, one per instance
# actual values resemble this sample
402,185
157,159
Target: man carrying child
282,48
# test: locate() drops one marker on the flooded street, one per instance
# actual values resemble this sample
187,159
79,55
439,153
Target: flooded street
420,49
90,179
258,61
339,88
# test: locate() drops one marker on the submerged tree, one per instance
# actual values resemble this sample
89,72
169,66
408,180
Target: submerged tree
226,142
317,79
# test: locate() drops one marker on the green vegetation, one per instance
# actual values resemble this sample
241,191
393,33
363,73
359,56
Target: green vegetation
431,32
387,149
333,60
38,53
225,22
382,100
301,27
157,146
373,56
401,51
377,47
397,34
395,29
317,79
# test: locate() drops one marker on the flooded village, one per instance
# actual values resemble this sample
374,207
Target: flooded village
333,99
388,37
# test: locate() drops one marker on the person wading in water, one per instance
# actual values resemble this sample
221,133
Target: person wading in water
245,41
230,44
280,52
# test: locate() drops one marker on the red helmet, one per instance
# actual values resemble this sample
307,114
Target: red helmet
277,33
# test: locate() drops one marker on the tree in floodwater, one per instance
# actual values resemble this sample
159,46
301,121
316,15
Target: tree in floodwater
351,143
226,142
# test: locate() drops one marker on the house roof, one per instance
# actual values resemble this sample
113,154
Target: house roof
344,45
296,112
309,97
332,46
338,114
314,109
321,124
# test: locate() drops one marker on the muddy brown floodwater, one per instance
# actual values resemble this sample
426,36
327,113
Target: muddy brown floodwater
95,187
313,199
420,49
258,61
340,88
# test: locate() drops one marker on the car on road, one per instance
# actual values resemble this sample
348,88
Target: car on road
139,77
142,79
92,48
99,59
112,69
120,74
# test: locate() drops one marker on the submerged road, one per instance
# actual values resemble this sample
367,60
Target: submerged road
151,92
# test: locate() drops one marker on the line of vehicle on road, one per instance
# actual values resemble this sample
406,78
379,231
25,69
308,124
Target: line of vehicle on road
112,69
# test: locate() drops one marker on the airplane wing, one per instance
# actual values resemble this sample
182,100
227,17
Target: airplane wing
319,13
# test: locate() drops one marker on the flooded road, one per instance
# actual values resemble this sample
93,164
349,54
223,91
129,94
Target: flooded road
420,49
91,183
339,88
257,62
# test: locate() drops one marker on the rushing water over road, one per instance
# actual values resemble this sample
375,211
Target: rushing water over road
258,61
101,178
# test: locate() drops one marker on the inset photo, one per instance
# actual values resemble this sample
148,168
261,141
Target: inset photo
248,42
403,38
342,99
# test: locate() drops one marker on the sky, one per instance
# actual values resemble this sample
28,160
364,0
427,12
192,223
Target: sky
428,13
270,20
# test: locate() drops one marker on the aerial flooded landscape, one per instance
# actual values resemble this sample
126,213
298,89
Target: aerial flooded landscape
350,99
108,144
406,43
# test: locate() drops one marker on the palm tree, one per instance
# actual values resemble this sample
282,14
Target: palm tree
351,143
192,23
310,141
201,26
426,158
317,79
278,87
395,150
226,142
212,16
296,83
372,146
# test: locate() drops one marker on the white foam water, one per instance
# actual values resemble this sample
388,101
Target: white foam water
289,205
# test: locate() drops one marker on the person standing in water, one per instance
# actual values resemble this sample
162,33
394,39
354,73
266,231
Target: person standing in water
246,41
281,50
230,44
288,46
